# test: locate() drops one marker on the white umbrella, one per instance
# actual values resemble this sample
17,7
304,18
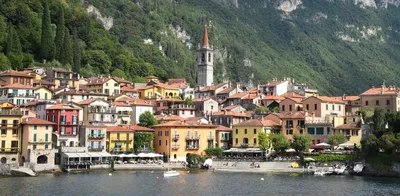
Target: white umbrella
309,159
323,145
346,145
122,155
142,155
208,162
157,155
291,150
131,155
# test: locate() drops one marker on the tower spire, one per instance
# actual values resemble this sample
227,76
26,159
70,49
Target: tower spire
205,38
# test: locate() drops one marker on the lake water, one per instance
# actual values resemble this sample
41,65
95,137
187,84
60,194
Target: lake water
196,183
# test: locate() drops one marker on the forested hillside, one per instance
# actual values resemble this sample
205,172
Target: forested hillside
334,45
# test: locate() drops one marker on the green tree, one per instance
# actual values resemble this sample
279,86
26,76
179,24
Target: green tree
301,143
214,152
336,139
13,43
67,56
388,142
118,73
76,52
280,143
47,42
60,33
370,146
264,142
143,140
379,121
147,119
4,62
261,110
188,101
98,59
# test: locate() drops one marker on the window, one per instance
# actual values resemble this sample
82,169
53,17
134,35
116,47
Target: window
298,108
209,57
159,142
340,108
366,102
158,104
289,132
283,108
255,141
117,136
73,130
326,106
236,141
301,131
311,130
4,132
203,57
315,106
313,142
35,127
377,102
318,141
166,133
62,130
46,146
159,133
290,107
166,142
245,131
307,107
388,102
333,106
34,147
237,131
46,137
354,132
34,137
320,131
328,130
255,131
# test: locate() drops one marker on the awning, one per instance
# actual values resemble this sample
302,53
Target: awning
121,109
126,119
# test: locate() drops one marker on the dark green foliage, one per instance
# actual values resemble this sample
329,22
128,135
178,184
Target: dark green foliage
188,101
214,152
142,140
76,52
98,59
332,157
147,119
13,44
67,56
118,73
47,42
279,143
301,143
336,139
379,120
59,40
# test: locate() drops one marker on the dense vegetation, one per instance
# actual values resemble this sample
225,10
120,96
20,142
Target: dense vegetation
303,44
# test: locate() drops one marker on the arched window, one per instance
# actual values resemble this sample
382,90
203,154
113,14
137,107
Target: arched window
3,160
71,144
42,159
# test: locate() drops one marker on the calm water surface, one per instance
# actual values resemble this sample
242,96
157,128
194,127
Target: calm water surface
195,183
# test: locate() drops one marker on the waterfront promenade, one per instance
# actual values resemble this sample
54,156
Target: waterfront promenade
265,167
163,166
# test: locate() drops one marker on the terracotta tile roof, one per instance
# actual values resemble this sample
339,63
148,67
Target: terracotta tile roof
347,98
185,123
292,115
163,85
89,101
177,82
257,122
128,89
227,90
297,100
63,106
201,99
169,117
238,95
276,98
97,80
231,113
72,92
127,101
223,128
11,104
118,129
36,121
250,96
381,91
3,83
170,99
138,128
292,94
31,103
212,88
60,69
44,82
17,86
329,99
121,80
348,126
229,108
15,73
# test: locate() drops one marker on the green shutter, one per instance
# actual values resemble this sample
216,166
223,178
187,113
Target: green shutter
47,137
34,137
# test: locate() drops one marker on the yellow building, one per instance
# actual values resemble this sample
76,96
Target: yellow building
245,134
62,77
5,105
178,139
106,85
10,145
351,129
43,93
155,89
119,139
37,143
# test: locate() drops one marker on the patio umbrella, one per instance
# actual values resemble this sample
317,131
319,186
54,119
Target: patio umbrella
323,145
346,145
122,155
142,155
309,159
131,155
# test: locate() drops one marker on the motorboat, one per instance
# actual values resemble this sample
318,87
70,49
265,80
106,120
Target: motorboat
358,167
171,173
340,170
319,173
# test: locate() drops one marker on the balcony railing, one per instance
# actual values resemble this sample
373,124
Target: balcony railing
21,95
41,141
96,149
226,139
317,120
102,111
124,114
196,137
175,146
301,126
11,113
96,136
68,134
244,145
9,150
289,126
210,137
176,137
192,147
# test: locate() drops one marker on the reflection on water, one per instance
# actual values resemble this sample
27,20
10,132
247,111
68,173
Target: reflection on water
195,183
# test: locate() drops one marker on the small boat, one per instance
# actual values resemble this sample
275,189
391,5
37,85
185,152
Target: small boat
319,173
358,167
171,173
340,170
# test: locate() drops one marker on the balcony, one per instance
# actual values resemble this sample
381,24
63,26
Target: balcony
317,121
40,141
68,123
11,113
226,139
196,137
68,134
289,126
123,114
101,111
120,139
175,146
175,137
192,147
210,137
27,95
182,106
244,145
96,136
96,149
9,150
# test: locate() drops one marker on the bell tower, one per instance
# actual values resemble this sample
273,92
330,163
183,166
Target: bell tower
205,65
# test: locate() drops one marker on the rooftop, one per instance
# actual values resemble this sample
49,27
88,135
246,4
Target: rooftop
36,121
17,86
223,128
118,129
257,122
15,73
392,90
185,123
231,113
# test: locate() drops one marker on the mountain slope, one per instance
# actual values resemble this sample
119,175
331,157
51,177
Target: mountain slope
337,46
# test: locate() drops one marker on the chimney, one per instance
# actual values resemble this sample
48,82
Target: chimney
224,112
